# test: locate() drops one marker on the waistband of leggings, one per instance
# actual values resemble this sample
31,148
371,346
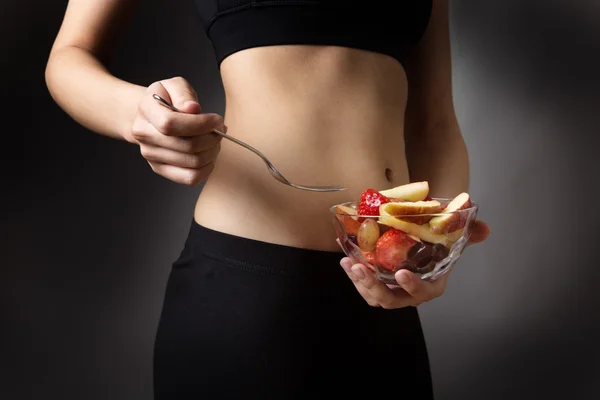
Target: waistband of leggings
268,257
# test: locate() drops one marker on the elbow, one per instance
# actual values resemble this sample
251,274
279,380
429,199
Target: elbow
49,77
56,61
53,77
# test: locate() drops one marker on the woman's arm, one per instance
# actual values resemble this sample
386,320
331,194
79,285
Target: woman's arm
435,149
77,77
177,146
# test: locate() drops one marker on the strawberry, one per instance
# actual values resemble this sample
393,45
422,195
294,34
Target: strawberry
370,258
392,248
370,200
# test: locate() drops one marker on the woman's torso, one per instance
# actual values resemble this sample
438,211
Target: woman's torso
323,115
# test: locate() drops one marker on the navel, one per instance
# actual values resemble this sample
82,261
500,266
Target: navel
389,175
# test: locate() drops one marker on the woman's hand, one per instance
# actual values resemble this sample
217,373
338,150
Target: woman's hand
411,290
178,146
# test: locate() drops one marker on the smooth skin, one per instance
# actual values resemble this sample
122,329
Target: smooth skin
322,114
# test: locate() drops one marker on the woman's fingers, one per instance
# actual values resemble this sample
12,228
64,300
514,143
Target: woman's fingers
144,132
171,123
178,144
189,121
479,232
346,264
185,160
411,289
419,289
375,292
181,94
184,176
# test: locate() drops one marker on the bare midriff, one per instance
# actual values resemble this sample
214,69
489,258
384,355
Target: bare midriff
323,116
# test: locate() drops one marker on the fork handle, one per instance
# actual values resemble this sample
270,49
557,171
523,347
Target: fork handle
243,144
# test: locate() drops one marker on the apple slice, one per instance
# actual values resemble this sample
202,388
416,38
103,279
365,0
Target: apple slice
416,208
423,232
453,220
349,219
415,191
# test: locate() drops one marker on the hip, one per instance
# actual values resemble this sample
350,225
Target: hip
248,279
246,316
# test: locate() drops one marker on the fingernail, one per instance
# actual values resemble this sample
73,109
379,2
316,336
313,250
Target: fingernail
403,279
358,272
346,265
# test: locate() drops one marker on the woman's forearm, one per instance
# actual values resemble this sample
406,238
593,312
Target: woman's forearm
86,90
439,156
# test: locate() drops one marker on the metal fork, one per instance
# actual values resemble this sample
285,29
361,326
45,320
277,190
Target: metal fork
274,172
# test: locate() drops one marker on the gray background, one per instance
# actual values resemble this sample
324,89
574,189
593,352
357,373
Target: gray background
88,232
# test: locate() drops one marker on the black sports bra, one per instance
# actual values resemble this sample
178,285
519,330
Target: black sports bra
234,25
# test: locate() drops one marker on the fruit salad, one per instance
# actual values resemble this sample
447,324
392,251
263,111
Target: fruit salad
404,228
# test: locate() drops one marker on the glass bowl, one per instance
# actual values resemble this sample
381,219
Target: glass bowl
428,244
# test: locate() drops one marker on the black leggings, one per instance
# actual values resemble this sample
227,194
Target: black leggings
244,318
